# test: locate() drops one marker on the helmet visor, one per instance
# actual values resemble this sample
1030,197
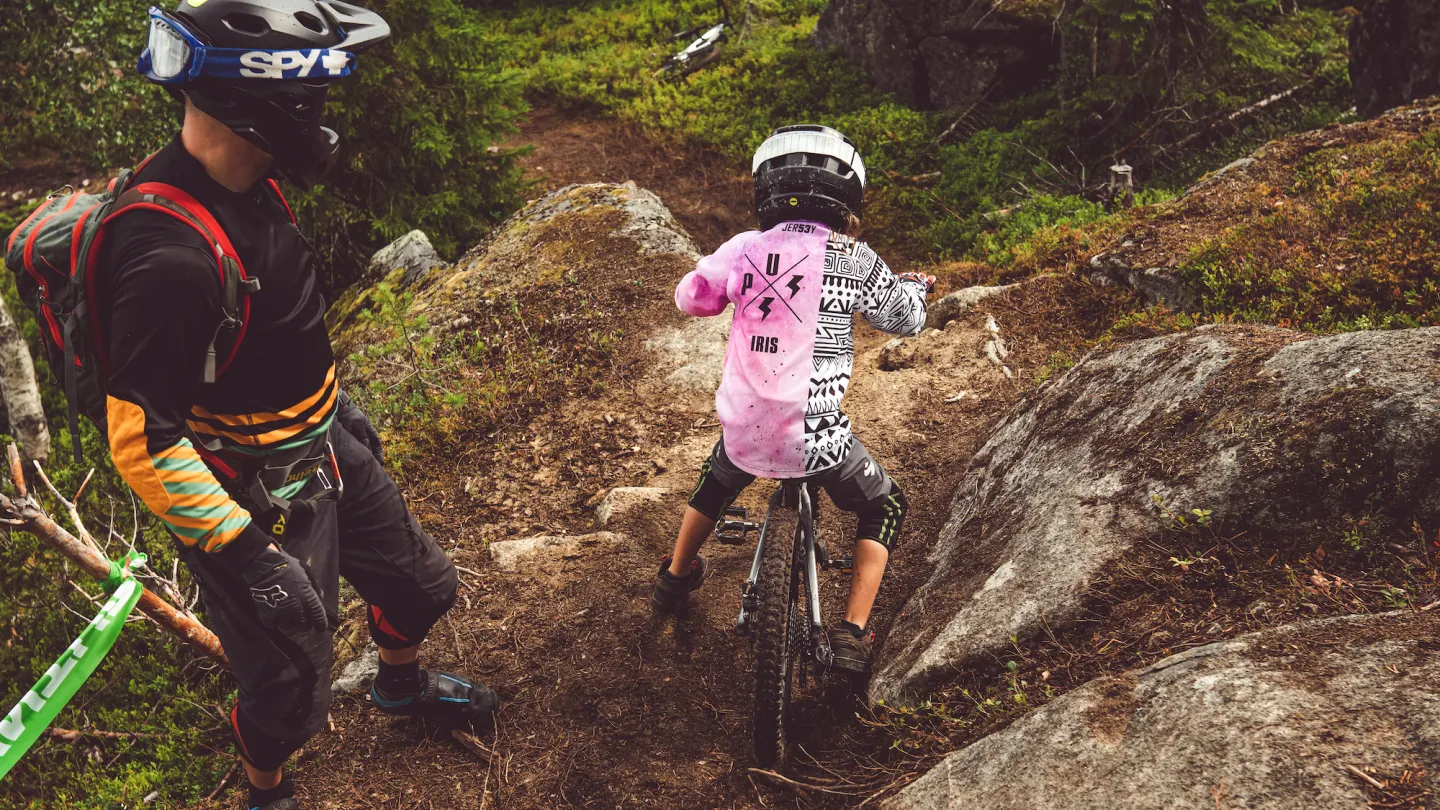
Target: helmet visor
168,52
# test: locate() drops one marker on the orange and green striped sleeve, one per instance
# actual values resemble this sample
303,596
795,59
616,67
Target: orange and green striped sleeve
173,482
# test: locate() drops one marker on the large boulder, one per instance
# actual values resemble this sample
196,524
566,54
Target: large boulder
1281,436
943,54
1394,54
580,239
1277,720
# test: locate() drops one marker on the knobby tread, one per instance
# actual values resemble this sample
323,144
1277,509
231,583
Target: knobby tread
772,636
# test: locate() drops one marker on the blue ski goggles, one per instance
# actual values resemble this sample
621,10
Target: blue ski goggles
174,55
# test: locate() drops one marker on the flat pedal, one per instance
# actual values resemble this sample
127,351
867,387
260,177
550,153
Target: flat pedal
734,527
842,564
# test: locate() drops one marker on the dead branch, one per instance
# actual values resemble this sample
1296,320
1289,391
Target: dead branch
1248,111
71,735
791,783
1372,781
25,513
474,746
224,780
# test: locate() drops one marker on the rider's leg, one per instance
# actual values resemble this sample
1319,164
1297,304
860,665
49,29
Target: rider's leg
695,528
720,481
878,526
684,570
870,558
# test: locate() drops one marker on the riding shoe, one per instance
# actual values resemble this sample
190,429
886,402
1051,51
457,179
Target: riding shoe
852,652
448,699
672,591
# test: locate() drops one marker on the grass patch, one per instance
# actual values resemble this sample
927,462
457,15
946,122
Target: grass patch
1046,149
1351,245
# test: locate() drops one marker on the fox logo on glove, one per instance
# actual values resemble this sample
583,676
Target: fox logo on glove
271,596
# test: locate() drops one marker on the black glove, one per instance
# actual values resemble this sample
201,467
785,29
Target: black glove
284,594
357,424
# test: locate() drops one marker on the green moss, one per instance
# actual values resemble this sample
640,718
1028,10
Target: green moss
1352,245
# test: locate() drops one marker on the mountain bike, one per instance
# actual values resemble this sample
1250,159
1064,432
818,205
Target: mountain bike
780,606
702,51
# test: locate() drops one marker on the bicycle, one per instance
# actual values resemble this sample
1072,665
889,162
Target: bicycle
703,50
780,606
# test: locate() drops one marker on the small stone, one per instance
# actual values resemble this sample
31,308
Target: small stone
512,555
621,502
897,354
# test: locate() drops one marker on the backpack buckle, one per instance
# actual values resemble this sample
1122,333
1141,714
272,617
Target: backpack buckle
250,286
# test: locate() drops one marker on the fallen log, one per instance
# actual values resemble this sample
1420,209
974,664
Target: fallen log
24,513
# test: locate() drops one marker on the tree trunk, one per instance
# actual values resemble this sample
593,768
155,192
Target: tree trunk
22,396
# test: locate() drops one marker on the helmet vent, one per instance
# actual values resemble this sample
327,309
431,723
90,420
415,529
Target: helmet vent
310,21
247,24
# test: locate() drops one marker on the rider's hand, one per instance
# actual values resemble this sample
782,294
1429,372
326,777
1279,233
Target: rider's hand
357,424
284,595
928,282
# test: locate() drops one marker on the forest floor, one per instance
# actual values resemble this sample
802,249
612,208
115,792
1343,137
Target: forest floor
606,704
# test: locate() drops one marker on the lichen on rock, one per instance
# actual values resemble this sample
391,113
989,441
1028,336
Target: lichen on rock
1281,437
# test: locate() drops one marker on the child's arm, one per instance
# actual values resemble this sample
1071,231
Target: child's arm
703,290
889,302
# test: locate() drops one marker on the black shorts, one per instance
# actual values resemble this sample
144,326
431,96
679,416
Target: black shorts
857,484
370,538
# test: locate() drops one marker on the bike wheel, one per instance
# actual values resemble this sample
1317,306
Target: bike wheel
774,652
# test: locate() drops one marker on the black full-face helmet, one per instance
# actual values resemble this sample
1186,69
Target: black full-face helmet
808,172
263,68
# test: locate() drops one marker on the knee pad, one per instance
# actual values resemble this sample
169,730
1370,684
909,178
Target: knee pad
712,497
262,750
880,520
394,631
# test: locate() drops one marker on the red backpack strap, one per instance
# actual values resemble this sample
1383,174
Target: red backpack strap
235,286
275,187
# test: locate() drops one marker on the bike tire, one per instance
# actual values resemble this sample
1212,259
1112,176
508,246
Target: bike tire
774,671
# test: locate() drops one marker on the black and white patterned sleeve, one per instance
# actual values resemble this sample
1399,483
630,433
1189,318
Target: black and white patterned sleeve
889,303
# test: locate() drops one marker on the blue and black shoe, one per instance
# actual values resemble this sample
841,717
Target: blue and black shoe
450,700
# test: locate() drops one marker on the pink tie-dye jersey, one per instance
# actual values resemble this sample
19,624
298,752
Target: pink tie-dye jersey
795,289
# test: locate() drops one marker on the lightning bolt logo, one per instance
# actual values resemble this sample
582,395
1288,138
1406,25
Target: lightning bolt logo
764,306
794,285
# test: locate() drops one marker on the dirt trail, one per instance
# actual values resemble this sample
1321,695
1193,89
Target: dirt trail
606,704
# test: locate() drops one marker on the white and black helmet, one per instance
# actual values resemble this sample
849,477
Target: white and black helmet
807,171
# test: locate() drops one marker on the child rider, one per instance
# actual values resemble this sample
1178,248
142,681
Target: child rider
796,285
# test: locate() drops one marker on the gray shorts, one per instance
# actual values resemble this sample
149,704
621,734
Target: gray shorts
854,484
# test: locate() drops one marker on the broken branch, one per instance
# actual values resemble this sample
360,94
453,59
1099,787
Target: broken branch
31,518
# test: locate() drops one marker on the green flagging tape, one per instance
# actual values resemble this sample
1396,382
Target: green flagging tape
121,570
39,707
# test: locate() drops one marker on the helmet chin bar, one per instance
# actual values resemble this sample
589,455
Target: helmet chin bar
304,151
